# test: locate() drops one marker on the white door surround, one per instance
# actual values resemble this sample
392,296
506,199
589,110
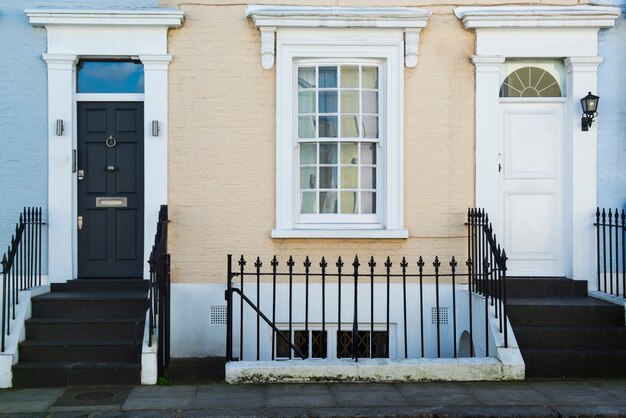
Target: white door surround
116,33
559,32
531,189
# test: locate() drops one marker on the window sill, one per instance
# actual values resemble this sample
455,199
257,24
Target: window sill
341,233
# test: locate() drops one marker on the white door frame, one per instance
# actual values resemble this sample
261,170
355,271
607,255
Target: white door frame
76,33
542,32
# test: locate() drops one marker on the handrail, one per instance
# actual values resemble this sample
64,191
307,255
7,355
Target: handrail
21,266
159,292
611,250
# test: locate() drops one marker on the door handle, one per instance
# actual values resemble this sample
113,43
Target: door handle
81,174
80,223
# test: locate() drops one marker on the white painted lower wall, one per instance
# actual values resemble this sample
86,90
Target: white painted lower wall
23,311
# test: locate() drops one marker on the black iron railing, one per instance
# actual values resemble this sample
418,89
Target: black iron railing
159,294
489,273
21,266
611,251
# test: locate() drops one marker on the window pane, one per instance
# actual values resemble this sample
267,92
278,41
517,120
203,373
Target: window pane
370,126
368,202
350,126
349,102
306,102
306,127
328,177
328,202
350,178
368,178
370,101
348,202
328,77
370,77
368,153
109,77
308,202
308,153
307,178
328,127
349,77
328,102
306,77
349,153
328,153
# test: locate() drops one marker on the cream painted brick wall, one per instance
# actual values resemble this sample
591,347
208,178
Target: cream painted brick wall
222,143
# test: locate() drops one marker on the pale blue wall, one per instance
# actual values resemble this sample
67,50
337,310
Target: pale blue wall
23,107
612,116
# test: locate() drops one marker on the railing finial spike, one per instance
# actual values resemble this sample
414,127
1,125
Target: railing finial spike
388,263
372,262
323,263
307,262
436,263
420,263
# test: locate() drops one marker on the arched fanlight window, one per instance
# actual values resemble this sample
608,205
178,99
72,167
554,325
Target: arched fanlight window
530,82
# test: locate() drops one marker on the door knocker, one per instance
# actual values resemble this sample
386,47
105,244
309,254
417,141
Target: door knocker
111,142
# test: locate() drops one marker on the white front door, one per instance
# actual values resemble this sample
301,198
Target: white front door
531,187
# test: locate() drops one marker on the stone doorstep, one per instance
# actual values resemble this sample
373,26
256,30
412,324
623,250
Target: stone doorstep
369,370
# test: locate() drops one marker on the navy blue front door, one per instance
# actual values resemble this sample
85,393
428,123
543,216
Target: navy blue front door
110,189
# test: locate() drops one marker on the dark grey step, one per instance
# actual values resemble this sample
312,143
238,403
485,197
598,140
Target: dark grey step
575,337
574,363
84,328
544,286
46,351
97,285
57,374
563,311
90,305
188,371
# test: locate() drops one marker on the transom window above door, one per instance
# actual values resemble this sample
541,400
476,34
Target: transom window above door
532,78
109,76
338,136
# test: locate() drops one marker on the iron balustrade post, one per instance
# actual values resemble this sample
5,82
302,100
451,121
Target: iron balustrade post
4,300
258,266
274,266
388,265
372,265
598,244
437,264
307,267
503,278
403,265
166,303
355,320
604,247
453,265
339,265
610,251
31,245
485,269
470,276
40,241
616,252
323,265
420,267
624,253
242,264
290,264
229,308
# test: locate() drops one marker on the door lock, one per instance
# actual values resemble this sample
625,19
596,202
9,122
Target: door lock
80,223
81,174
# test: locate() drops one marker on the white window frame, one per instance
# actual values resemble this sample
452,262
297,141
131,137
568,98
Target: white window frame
337,35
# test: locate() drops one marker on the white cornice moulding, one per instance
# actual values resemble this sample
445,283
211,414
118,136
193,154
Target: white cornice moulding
105,17
270,18
537,16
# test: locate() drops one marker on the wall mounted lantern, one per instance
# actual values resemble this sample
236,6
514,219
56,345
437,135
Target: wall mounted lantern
60,127
155,128
590,110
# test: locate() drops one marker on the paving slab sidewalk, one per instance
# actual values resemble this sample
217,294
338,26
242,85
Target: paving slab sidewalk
534,398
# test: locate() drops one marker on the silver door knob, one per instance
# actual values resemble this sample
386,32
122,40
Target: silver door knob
81,174
111,168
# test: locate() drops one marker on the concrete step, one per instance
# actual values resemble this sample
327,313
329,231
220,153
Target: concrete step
574,363
84,328
113,304
563,311
51,351
58,374
97,285
544,287
574,337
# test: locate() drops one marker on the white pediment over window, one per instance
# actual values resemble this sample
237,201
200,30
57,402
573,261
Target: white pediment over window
269,18
537,16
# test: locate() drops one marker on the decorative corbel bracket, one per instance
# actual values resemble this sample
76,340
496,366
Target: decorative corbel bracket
268,35
411,41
